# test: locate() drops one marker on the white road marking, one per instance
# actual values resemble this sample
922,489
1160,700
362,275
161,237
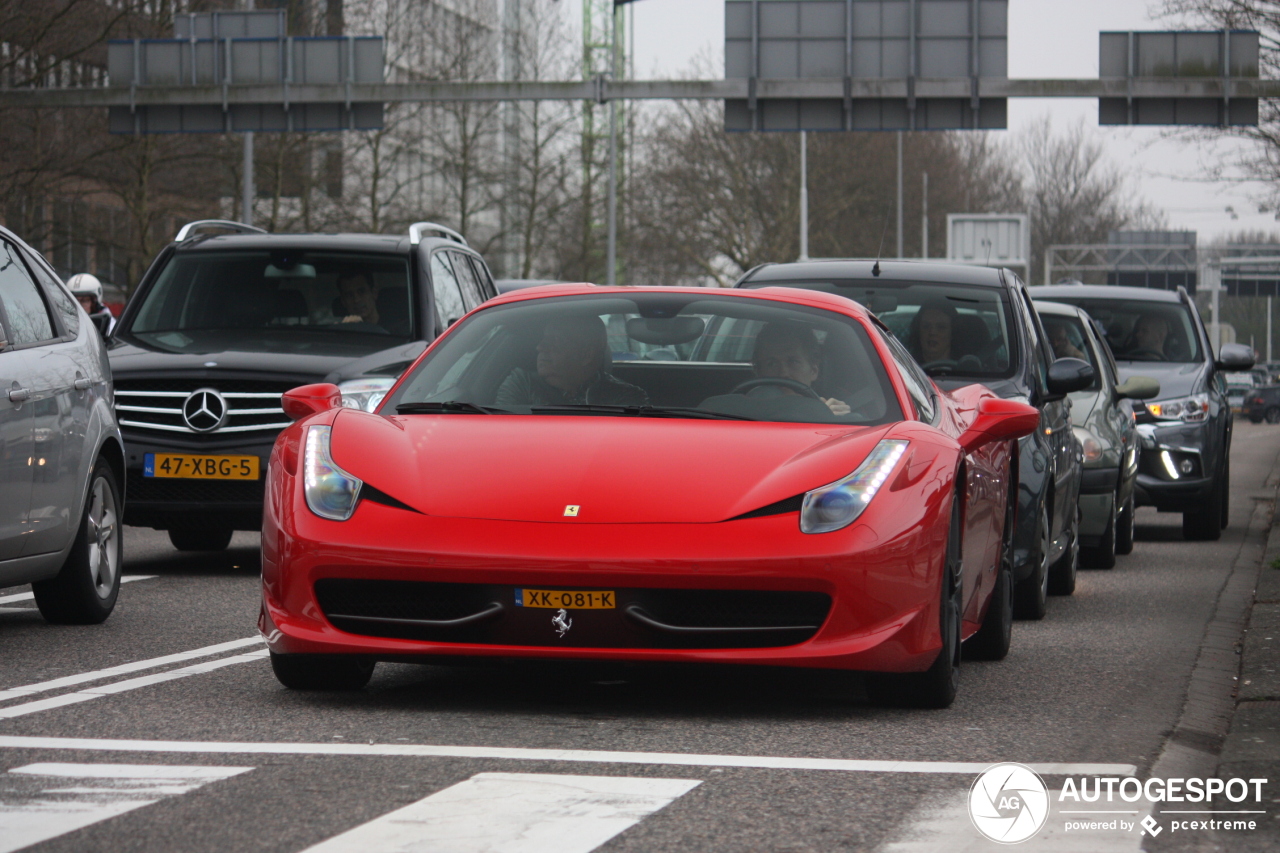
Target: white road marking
43,801
514,813
30,596
124,686
678,759
124,669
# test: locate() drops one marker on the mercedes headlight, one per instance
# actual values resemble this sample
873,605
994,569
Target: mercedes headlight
838,504
1190,409
1089,442
331,492
365,394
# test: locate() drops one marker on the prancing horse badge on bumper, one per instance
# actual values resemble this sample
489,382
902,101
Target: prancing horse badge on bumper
561,622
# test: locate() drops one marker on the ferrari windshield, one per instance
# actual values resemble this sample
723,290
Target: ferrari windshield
951,329
655,355
1142,330
282,299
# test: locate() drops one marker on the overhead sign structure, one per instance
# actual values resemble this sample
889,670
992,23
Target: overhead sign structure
221,50
880,49
990,239
1224,55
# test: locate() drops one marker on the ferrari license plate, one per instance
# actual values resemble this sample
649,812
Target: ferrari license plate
191,467
569,600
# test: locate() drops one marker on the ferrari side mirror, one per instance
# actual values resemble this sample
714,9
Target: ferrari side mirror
307,400
998,420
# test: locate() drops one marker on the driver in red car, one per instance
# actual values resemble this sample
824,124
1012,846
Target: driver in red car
791,352
572,368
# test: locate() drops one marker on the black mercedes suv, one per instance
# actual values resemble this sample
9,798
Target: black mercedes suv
967,324
1185,437
229,317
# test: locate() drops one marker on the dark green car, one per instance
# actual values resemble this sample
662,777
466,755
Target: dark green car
1103,422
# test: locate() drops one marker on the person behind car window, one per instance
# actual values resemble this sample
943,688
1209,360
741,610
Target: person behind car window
1149,335
572,367
358,298
1061,340
791,351
929,337
87,290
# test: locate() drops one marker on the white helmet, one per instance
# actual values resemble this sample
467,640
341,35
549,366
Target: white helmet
85,284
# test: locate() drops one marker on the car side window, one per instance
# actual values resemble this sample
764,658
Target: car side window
449,304
471,294
1038,355
919,388
24,308
67,309
487,290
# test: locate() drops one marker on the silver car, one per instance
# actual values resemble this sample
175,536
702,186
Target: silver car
1103,422
61,455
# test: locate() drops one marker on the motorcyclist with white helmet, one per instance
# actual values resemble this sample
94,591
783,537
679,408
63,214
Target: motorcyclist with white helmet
86,288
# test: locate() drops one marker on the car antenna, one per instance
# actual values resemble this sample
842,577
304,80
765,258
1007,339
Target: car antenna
875,269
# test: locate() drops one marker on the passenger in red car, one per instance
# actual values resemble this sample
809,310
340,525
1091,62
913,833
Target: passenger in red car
791,351
573,357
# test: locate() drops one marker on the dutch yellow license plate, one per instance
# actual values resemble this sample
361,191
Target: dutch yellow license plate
192,467
567,599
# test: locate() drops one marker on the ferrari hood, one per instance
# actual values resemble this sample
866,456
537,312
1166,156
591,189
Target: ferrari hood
613,469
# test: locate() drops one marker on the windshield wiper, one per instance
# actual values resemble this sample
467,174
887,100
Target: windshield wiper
637,411
447,407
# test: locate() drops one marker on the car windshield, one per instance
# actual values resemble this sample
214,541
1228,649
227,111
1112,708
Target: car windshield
655,355
951,329
281,299
1067,337
1142,330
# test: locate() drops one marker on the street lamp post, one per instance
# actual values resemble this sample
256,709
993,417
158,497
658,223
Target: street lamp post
611,253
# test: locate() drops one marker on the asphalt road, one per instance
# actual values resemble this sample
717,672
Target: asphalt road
1102,680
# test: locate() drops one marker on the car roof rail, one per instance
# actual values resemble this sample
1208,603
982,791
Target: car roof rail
200,224
416,229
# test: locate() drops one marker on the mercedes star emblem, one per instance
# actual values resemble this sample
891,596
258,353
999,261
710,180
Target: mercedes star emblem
204,410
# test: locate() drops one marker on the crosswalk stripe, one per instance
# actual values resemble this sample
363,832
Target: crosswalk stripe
514,813
125,668
680,759
43,801
124,686
28,596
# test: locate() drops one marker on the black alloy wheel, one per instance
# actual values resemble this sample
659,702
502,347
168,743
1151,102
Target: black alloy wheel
1204,524
322,672
85,590
1031,596
994,637
1062,577
1125,527
1103,555
200,539
936,687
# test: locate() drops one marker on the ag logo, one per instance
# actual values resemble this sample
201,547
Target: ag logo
1009,803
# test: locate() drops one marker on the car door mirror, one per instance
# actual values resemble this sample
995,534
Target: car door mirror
307,400
1138,388
1067,375
998,420
1235,357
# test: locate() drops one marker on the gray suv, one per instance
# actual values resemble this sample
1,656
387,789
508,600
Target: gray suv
61,455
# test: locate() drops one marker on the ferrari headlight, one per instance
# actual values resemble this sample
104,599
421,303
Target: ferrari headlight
331,492
1190,409
1090,443
365,394
838,504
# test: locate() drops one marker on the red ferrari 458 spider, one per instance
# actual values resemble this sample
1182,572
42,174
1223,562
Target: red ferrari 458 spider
647,474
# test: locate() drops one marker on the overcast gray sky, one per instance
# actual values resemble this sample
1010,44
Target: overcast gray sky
1047,38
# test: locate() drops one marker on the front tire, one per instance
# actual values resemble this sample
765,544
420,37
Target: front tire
1103,555
1204,524
936,687
200,539
996,634
322,672
1126,523
1271,415
84,592
1062,579
1031,597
